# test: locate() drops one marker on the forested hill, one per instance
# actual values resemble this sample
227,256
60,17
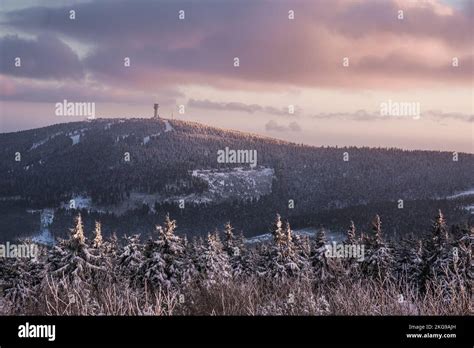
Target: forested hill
90,158
140,169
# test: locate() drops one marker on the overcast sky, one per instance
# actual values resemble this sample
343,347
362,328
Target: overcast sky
284,63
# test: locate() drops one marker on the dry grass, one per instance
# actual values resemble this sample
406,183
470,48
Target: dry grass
250,297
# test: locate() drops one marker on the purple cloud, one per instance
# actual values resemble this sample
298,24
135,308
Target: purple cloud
46,57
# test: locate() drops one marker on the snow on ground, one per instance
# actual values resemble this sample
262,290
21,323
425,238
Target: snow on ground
168,126
236,182
45,236
147,139
331,236
225,184
75,139
469,208
47,217
78,202
121,137
462,194
44,141
76,135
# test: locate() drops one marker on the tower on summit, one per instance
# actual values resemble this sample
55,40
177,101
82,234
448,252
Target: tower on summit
155,107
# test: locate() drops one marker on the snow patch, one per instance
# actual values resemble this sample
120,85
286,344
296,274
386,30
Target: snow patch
121,137
45,236
238,182
310,232
469,208
168,126
462,194
77,202
44,141
75,139
47,217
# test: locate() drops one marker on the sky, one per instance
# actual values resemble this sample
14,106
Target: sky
316,72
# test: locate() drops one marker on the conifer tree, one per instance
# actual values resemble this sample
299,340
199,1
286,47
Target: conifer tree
442,264
379,259
322,266
97,242
280,260
440,235
229,238
165,258
72,258
237,252
409,262
351,234
130,260
20,279
465,264
277,231
302,247
350,265
104,251
213,262
291,261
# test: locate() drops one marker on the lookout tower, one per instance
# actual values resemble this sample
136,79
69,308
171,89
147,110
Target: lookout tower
155,107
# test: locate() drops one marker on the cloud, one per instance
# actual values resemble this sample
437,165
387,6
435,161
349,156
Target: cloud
363,115
422,19
359,115
241,107
273,126
31,90
438,115
45,57
273,50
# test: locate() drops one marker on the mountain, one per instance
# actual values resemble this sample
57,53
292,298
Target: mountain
131,171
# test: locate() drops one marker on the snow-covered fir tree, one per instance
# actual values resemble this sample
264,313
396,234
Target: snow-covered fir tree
280,260
350,265
378,259
465,264
302,247
295,255
72,258
351,237
277,231
97,241
20,278
443,264
409,262
237,252
229,238
165,263
323,267
212,263
102,249
130,260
